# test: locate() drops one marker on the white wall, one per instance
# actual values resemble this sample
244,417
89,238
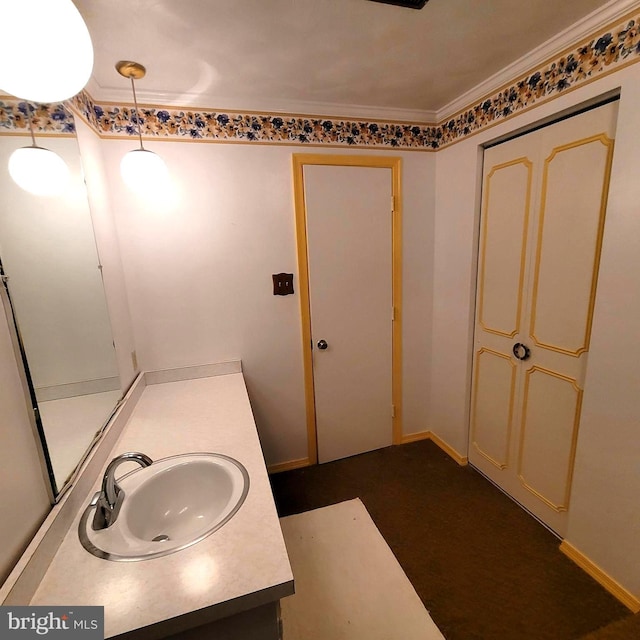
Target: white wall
603,519
418,302
605,505
106,236
24,499
199,275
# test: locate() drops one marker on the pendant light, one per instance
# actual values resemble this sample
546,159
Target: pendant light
38,170
51,50
142,170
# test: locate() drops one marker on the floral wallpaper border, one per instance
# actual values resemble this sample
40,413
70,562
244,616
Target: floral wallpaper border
603,53
251,127
54,118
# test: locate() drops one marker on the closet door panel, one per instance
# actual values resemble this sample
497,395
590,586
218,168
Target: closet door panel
569,237
548,433
493,403
503,244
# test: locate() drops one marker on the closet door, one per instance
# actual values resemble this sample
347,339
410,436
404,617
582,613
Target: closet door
544,197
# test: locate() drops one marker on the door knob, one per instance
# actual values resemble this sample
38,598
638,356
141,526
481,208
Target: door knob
521,351
322,344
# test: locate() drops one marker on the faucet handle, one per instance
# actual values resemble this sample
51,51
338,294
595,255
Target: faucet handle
109,500
110,487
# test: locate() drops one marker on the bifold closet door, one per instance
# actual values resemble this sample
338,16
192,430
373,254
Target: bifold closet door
543,214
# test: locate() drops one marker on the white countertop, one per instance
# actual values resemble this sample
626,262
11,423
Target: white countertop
242,565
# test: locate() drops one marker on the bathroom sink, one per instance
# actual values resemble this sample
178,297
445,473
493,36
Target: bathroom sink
168,506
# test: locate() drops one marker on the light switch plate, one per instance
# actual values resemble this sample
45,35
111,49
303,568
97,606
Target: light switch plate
282,284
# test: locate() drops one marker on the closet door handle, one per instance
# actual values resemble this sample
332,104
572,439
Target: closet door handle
521,351
322,344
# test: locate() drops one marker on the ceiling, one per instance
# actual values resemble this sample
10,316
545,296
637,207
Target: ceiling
329,57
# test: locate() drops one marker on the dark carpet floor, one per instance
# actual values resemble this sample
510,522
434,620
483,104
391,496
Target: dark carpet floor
483,567
626,629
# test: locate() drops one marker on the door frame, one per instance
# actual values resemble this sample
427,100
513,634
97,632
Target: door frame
299,161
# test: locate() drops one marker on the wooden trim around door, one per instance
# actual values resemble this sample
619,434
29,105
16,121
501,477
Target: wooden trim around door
614,588
395,164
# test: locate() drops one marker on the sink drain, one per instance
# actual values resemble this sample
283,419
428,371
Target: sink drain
160,538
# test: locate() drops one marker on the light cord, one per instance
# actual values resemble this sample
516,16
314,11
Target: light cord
135,102
33,138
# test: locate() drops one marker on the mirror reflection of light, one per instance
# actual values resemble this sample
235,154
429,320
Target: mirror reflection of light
39,171
199,574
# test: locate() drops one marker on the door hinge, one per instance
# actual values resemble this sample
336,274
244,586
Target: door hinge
393,204
393,314
393,410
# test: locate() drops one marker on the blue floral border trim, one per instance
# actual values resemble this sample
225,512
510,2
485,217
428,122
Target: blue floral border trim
249,127
603,53
46,118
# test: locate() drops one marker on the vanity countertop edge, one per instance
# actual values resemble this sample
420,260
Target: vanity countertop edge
241,566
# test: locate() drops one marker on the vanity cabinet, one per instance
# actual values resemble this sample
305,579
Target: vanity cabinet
226,586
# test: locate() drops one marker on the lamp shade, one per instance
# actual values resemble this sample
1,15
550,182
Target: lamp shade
143,171
39,171
51,50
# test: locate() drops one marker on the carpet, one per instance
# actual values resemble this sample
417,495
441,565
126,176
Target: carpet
625,629
348,583
482,566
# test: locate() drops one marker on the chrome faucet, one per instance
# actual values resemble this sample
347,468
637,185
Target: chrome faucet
109,500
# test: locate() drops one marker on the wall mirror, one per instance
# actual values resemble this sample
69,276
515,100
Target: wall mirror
52,272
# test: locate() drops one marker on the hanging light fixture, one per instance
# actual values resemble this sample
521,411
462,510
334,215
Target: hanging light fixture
38,170
48,55
141,170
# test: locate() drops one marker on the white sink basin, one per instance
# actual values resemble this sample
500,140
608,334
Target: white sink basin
168,506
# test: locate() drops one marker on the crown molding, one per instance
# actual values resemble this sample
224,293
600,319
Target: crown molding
243,105
580,30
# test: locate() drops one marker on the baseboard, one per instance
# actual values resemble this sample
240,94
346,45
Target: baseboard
414,437
603,578
288,466
429,435
409,437
449,450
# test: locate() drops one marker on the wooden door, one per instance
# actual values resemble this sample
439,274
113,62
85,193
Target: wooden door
542,220
348,257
